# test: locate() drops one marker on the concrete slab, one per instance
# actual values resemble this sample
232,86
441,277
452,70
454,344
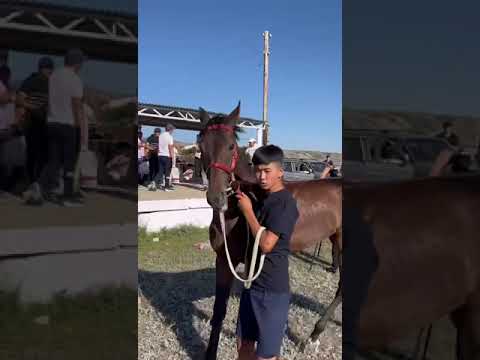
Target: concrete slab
66,239
39,278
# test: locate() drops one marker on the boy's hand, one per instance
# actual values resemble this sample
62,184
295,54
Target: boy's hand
244,202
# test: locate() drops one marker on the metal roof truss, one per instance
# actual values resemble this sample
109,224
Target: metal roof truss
43,20
186,116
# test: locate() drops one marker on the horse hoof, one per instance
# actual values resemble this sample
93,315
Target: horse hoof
304,344
301,348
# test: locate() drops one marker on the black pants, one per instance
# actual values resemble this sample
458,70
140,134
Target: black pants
62,152
164,169
37,148
153,166
198,168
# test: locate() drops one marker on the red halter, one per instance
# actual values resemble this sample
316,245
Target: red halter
228,169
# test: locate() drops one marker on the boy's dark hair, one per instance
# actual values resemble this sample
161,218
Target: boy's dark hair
267,154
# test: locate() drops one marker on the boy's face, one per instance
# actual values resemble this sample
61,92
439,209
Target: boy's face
269,176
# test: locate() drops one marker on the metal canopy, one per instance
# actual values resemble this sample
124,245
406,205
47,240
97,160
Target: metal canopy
182,118
26,26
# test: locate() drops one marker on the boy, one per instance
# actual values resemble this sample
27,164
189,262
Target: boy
264,307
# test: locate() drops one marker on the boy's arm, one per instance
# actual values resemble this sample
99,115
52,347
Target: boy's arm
268,240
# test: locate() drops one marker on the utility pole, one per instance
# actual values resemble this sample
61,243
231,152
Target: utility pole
266,55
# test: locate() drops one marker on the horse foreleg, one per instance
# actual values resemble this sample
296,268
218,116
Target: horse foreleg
222,293
467,322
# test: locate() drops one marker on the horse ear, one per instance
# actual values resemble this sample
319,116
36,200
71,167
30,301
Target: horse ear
235,114
204,118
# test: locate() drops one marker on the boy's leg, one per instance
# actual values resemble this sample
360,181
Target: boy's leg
247,328
271,312
246,349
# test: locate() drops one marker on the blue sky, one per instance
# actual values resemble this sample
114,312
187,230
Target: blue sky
209,54
404,56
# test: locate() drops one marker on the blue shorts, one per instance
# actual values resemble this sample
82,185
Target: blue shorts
263,318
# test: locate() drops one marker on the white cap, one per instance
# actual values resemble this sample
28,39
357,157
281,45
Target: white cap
252,140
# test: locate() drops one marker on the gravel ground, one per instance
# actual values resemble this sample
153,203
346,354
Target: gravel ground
177,293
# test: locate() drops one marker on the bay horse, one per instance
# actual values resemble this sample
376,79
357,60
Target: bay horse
318,202
411,256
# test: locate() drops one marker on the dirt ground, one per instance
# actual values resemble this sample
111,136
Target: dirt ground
99,209
180,192
176,286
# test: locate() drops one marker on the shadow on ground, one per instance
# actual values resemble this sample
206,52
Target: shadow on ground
173,295
312,259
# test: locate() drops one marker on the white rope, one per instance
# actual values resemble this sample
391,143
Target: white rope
247,282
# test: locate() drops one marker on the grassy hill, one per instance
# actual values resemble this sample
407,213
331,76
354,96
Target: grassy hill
313,155
466,127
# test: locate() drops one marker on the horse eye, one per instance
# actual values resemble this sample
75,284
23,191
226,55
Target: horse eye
231,147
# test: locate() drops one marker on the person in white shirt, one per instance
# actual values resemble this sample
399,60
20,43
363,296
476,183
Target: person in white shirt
252,147
165,157
7,100
65,116
12,142
141,147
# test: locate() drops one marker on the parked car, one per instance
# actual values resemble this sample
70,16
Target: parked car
302,169
384,156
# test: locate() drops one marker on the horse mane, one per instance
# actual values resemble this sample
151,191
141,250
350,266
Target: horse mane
221,119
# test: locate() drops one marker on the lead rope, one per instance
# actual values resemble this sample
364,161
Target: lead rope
245,259
246,282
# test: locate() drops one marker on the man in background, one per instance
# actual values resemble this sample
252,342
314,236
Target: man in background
199,171
447,133
34,91
328,161
152,145
65,115
252,147
11,141
166,153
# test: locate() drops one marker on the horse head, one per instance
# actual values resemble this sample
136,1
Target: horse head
221,157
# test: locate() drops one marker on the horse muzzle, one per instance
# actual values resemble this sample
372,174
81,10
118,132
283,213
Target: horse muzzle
218,201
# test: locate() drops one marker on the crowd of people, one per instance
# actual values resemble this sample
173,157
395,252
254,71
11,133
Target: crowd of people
42,131
157,155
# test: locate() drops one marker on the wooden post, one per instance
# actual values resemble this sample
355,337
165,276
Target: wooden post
266,54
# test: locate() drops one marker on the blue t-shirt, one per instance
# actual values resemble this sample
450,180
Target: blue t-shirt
278,213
